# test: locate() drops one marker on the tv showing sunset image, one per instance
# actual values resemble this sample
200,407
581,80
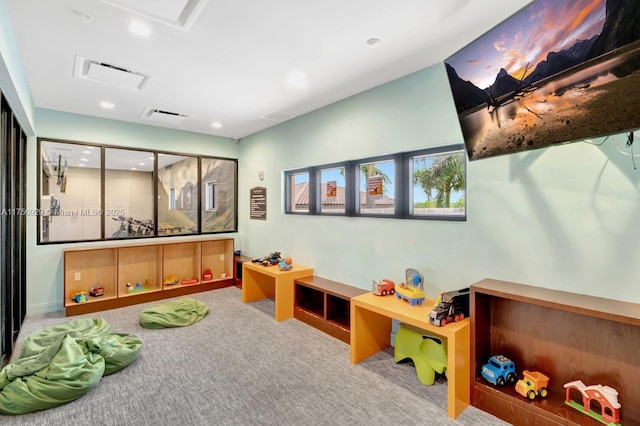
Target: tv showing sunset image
557,71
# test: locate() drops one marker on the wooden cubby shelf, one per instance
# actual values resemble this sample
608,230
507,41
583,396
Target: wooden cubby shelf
136,273
325,305
567,337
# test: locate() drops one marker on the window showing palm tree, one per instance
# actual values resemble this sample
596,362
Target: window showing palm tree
439,184
377,189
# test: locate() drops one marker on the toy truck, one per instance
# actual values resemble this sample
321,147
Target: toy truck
499,370
452,306
383,287
534,383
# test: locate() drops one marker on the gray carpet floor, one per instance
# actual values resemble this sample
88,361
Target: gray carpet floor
239,367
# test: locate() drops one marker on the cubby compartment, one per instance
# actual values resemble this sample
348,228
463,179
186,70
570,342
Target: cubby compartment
181,264
338,311
309,300
566,336
139,270
86,269
215,258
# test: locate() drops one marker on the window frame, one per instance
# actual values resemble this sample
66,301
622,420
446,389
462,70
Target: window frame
402,184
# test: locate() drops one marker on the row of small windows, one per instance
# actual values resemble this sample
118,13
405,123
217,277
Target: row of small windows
425,184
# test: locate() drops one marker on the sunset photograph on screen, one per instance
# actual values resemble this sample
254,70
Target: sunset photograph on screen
557,71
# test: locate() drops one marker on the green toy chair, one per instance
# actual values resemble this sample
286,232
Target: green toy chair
428,353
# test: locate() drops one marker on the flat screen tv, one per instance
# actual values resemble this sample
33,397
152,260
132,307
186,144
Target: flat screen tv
556,71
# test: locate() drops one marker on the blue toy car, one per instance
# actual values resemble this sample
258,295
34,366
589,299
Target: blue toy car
499,370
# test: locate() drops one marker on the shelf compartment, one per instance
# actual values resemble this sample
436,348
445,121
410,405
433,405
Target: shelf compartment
215,258
182,260
87,268
338,311
139,264
309,300
566,336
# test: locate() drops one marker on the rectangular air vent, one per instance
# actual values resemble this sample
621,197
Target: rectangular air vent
276,116
166,117
109,73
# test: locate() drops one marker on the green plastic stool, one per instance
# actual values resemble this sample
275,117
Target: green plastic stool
428,353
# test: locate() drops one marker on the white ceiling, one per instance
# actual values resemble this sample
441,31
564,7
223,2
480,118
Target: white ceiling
229,61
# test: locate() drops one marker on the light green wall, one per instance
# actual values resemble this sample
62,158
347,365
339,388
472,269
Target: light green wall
12,80
44,275
565,217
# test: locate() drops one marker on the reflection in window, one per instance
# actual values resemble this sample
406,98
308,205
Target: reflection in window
299,195
212,188
128,193
377,187
218,194
177,186
438,184
70,192
332,190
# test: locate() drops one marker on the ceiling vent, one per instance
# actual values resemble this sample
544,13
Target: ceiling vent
165,117
109,73
276,116
175,13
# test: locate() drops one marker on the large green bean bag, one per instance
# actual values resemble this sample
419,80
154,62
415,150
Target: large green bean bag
61,363
178,313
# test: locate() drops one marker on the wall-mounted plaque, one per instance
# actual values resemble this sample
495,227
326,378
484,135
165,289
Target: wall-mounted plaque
258,203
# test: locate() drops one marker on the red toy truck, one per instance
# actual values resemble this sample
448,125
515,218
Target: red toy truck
383,287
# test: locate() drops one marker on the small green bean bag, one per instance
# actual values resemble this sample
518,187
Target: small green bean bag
178,313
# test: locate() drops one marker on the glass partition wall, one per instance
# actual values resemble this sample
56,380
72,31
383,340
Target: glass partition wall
91,192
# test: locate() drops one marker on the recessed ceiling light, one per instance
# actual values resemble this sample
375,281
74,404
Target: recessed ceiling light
216,125
139,28
151,158
140,164
107,105
297,79
80,165
133,168
86,152
373,42
83,159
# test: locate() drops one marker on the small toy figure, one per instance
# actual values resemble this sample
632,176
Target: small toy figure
383,287
80,297
499,370
96,291
606,398
283,265
171,280
191,281
534,383
207,275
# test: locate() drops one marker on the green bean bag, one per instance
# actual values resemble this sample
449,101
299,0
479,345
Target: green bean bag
178,313
63,362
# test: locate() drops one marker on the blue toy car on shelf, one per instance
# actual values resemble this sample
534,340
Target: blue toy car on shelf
499,370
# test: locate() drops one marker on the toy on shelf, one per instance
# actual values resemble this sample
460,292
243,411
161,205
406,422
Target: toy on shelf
237,252
271,259
96,291
136,288
606,398
499,370
533,384
383,287
413,290
285,264
207,275
171,280
451,306
79,296
190,281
